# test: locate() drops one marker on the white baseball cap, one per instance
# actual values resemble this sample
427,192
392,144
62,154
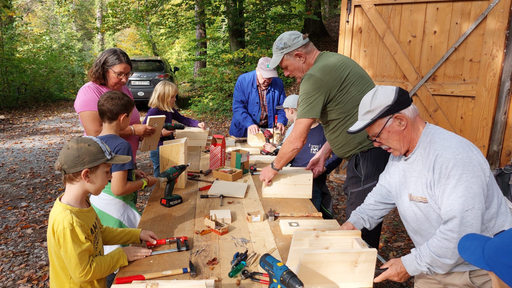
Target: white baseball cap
285,43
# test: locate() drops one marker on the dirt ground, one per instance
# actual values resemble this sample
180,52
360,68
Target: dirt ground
30,141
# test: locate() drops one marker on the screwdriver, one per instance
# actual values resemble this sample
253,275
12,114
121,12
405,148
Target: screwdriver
237,269
200,189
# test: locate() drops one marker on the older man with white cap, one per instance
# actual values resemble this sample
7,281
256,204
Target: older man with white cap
256,96
441,185
332,86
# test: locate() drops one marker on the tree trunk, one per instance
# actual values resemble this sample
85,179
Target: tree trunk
315,28
99,23
148,31
236,24
200,16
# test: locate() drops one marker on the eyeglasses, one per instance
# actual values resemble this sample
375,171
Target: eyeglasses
385,124
121,75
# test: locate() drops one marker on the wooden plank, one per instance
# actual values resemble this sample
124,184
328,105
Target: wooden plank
223,215
196,136
380,2
228,189
448,89
151,143
406,66
291,182
344,268
345,30
289,225
266,159
303,241
174,152
252,150
256,140
490,73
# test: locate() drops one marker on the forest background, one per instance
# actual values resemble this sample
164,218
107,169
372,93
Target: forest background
46,47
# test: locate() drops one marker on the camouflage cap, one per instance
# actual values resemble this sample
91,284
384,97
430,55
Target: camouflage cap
86,152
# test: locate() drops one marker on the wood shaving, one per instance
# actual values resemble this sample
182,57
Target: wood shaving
212,262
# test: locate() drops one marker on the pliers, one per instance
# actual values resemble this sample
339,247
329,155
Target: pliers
251,276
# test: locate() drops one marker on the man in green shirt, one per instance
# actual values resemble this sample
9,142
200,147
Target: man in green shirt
331,88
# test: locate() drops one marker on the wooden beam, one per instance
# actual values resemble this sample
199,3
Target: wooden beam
174,152
441,89
380,2
491,67
407,67
290,225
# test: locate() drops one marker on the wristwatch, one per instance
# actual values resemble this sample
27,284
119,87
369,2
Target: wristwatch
274,167
144,183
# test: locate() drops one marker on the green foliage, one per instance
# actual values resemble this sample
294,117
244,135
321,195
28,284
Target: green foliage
41,62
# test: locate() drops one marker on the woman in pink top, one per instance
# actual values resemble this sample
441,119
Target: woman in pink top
110,71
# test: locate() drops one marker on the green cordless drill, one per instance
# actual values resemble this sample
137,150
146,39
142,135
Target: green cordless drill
171,127
170,176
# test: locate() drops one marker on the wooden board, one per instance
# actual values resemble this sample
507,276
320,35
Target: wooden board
228,189
303,241
291,182
257,159
151,143
223,216
343,268
196,136
256,140
174,152
290,225
252,150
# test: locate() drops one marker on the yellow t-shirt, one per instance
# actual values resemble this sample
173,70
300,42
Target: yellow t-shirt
75,247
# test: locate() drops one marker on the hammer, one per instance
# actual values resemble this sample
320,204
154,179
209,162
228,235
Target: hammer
272,214
128,279
205,172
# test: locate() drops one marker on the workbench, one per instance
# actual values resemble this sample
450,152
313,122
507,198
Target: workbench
186,218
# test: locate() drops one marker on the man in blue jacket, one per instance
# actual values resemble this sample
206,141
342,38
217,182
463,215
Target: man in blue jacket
257,94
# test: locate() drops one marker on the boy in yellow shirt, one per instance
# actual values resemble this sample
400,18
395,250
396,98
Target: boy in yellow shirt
75,233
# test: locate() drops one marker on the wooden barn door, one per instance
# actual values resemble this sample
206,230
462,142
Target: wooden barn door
399,41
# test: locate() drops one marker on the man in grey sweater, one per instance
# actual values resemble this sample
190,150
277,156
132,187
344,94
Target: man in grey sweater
441,184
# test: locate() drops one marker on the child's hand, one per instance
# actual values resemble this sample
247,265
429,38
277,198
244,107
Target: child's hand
201,125
166,132
151,180
148,236
135,253
139,174
270,147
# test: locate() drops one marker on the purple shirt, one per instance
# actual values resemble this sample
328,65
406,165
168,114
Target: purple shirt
169,116
87,100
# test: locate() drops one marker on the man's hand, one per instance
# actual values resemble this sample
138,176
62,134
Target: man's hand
280,127
267,174
316,165
396,271
347,226
201,125
253,129
148,236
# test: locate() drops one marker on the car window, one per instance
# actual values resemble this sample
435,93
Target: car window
147,66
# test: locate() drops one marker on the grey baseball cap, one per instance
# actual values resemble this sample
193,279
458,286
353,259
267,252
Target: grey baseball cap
264,68
378,103
285,43
86,152
291,101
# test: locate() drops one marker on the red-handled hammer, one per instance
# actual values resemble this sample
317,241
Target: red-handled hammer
129,279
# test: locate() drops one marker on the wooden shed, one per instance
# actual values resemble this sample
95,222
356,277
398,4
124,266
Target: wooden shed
399,42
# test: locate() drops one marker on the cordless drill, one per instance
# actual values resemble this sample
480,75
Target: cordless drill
279,274
171,127
170,176
268,135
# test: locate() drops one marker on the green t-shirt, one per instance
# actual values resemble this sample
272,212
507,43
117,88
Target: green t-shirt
331,91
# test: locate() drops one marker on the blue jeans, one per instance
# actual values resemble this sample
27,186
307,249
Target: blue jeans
155,158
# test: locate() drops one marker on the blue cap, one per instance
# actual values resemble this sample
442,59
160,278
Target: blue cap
491,254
